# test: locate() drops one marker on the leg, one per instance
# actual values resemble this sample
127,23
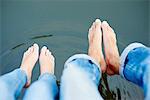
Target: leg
135,66
111,50
95,44
80,79
135,60
45,88
12,83
82,73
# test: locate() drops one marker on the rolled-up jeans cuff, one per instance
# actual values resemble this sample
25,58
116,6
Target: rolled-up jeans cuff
125,54
96,66
47,76
22,76
19,76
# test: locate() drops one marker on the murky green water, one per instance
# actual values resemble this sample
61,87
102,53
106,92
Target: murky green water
63,26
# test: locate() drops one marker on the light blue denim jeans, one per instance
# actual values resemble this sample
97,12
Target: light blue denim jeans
11,84
135,66
80,79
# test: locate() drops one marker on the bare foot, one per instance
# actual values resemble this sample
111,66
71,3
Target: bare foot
30,57
46,61
95,44
111,49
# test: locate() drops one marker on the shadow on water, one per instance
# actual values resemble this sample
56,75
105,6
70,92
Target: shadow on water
32,38
17,46
41,36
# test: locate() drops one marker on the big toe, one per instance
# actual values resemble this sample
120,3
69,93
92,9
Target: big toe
36,48
106,27
98,32
97,24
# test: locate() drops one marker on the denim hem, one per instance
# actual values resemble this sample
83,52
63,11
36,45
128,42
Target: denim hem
83,56
125,54
47,75
23,73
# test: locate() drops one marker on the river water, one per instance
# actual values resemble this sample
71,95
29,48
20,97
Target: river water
63,27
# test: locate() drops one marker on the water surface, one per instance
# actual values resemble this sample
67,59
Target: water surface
63,27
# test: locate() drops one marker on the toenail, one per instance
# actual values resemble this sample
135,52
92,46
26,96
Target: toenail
44,47
97,20
35,44
105,23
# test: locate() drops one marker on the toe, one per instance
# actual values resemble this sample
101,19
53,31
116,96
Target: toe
25,54
110,29
97,24
90,34
31,49
53,58
28,51
108,32
93,26
98,29
50,55
91,31
105,29
48,52
104,25
36,48
43,50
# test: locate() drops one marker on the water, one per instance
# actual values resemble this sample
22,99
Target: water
63,27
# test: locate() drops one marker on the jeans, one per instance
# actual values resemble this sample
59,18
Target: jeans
135,66
11,84
80,79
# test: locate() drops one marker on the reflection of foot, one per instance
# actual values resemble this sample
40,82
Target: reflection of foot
111,49
95,44
46,61
30,57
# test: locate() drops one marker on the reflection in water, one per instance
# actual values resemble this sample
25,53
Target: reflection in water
104,89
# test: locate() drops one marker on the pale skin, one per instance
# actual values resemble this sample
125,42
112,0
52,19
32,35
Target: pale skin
30,58
98,31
